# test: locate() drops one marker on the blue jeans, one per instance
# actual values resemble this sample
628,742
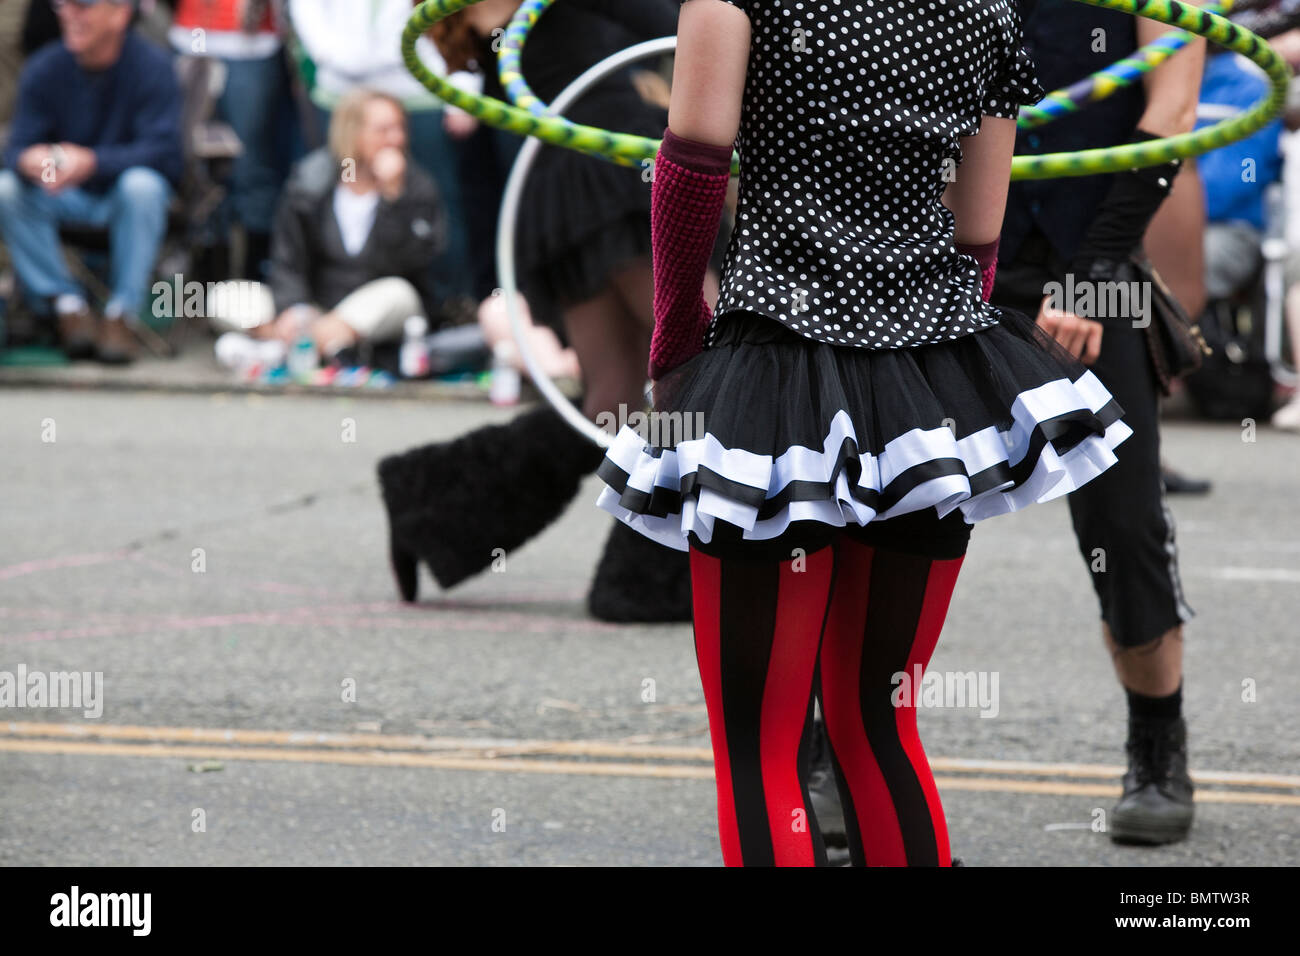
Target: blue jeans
134,211
252,104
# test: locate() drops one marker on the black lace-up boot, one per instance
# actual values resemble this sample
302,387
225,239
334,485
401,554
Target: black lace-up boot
1157,803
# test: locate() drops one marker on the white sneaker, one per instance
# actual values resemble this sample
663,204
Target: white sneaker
1287,417
239,352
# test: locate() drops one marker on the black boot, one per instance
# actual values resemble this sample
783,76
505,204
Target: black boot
1157,803
640,580
823,791
454,504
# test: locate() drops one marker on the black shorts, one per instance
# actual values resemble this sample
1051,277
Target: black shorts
1122,521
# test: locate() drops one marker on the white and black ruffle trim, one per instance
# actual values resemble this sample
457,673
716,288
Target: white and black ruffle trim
1063,434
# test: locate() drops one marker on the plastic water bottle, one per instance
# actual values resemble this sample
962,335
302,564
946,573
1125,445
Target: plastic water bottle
506,382
302,358
414,358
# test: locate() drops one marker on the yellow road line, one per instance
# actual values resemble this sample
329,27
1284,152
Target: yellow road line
289,738
1227,778
379,758
477,747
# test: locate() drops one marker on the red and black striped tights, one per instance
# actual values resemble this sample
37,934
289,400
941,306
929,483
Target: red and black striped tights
840,621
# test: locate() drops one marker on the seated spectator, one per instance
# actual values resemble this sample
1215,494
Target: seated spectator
556,360
245,36
95,141
357,228
354,45
1235,176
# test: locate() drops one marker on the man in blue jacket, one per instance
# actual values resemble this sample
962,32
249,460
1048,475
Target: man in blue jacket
95,140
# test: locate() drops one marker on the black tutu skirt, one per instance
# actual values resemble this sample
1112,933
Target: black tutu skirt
581,218
767,428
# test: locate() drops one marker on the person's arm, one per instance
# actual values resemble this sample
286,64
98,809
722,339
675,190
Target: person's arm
289,262
1172,91
977,196
692,170
33,121
156,134
1122,218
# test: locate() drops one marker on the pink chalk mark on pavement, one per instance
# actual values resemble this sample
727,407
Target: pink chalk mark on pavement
55,564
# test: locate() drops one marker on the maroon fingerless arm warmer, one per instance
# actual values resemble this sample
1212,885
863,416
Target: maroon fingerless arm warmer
686,199
987,256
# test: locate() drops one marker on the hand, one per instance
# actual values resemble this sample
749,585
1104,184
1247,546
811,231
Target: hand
78,165
291,324
457,123
1080,337
389,169
36,163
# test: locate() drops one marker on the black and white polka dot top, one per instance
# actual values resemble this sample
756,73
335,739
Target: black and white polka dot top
848,138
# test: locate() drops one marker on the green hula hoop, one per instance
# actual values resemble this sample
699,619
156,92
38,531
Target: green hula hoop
629,150
1111,79
1070,99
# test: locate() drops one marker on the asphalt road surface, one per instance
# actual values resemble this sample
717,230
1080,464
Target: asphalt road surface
266,699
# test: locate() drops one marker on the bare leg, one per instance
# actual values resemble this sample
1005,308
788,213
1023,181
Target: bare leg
613,350
330,334
635,286
1154,669
494,320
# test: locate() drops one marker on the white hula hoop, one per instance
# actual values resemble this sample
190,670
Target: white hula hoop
510,215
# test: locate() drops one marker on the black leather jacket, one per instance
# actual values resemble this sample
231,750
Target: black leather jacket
309,263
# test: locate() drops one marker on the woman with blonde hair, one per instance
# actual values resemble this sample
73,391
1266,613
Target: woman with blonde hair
357,228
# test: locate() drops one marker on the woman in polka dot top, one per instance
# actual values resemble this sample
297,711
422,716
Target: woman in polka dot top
824,439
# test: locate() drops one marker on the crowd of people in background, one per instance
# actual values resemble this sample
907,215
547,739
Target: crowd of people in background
358,200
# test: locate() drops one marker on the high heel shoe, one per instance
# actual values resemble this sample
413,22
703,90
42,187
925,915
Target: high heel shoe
406,570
